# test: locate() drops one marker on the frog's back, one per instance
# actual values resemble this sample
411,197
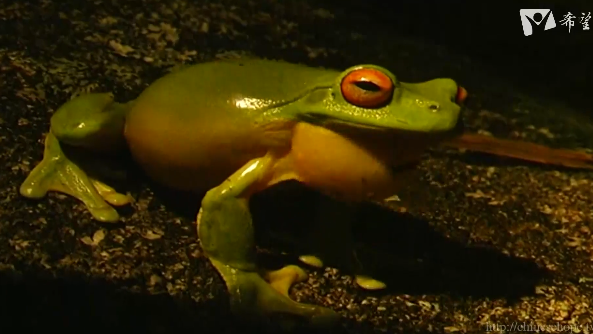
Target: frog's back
231,87
193,127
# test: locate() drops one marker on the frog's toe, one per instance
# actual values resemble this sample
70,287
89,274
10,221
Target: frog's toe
282,279
369,283
110,195
105,214
311,260
393,198
30,190
40,180
265,300
117,199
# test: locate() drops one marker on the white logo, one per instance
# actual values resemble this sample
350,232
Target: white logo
532,19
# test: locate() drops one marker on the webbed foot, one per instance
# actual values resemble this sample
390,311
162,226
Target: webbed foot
56,172
264,298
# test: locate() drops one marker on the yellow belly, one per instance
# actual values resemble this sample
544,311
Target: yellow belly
353,166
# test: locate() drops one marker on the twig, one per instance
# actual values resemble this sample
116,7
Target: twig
522,150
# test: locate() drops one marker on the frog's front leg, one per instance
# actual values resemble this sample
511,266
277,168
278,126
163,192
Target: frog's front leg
227,237
58,172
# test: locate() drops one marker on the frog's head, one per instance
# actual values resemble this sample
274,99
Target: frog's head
369,96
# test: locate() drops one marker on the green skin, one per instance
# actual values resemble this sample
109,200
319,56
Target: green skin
223,127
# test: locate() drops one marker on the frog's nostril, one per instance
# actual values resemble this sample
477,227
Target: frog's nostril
433,107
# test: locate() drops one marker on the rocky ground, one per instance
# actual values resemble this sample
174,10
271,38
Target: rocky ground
479,244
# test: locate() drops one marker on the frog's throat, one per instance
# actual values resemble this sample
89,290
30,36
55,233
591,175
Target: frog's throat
324,120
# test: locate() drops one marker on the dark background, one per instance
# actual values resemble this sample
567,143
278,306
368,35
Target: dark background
552,62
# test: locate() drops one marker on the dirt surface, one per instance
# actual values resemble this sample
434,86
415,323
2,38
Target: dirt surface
478,245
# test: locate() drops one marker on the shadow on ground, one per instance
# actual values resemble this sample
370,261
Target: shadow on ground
34,300
406,252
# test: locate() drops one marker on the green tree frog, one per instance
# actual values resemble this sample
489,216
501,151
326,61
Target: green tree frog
235,127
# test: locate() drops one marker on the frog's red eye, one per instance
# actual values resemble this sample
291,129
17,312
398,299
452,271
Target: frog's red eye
367,88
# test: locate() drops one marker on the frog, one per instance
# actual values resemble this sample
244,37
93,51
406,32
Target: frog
233,128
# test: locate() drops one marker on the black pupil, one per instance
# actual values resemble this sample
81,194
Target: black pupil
368,86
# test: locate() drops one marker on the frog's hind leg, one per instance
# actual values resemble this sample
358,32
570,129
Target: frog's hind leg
56,172
227,237
91,122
